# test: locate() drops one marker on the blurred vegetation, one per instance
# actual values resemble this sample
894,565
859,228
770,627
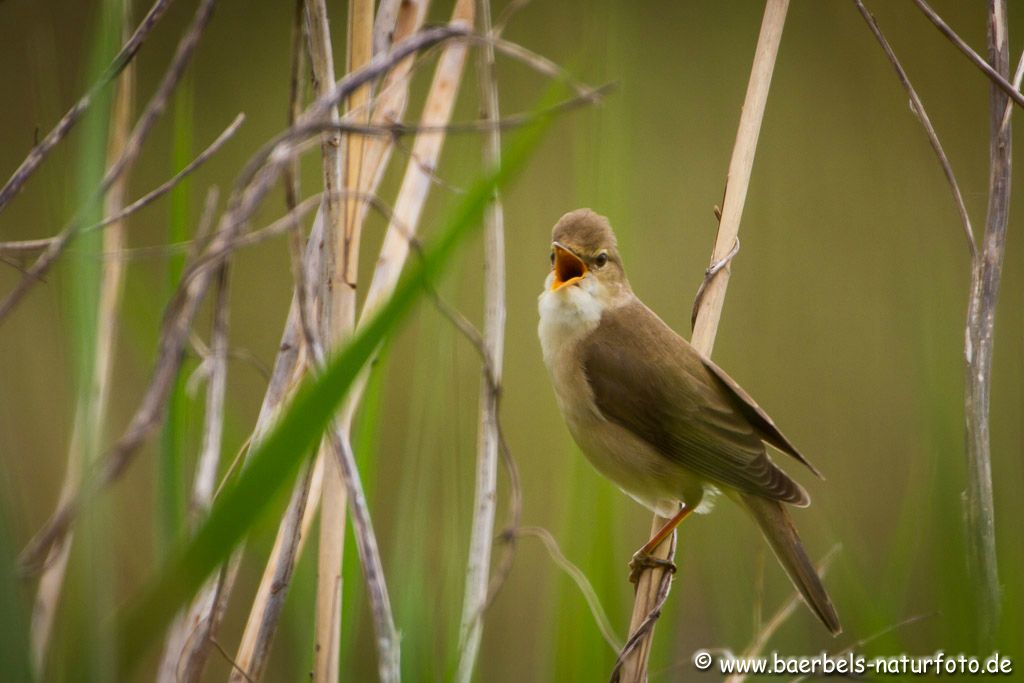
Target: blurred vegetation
844,318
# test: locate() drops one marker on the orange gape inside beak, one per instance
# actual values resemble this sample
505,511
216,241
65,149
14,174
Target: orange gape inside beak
568,268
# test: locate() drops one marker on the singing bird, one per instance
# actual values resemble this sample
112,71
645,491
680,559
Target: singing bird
655,416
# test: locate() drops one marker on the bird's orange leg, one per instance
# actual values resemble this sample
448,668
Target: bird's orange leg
642,558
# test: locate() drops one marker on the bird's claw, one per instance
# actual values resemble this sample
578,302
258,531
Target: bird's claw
642,561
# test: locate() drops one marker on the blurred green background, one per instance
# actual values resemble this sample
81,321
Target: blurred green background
844,319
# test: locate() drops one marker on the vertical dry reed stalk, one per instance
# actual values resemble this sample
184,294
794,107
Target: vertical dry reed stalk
478,565
653,586
986,270
985,278
90,418
303,505
333,321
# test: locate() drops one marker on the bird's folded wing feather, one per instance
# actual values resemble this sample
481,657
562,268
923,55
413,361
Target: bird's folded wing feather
756,415
678,405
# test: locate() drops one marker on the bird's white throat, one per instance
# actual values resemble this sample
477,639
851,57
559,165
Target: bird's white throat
568,314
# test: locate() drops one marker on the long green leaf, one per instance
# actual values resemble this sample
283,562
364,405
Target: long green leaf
275,461
170,496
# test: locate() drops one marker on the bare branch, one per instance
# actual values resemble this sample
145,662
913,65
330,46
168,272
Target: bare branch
153,110
154,194
919,111
998,79
140,203
73,115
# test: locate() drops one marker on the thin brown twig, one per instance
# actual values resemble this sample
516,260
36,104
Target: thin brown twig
917,107
154,109
73,115
234,665
177,178
177,322
144,200
998,79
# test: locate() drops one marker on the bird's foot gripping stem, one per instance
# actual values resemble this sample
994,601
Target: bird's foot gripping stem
642,561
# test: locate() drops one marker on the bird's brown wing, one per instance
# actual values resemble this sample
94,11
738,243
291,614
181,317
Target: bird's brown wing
678,405
756,415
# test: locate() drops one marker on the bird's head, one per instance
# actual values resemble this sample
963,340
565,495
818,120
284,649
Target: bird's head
585,259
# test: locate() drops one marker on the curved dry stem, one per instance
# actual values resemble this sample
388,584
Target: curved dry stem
133,146
604,624
998,79
73,115
919,111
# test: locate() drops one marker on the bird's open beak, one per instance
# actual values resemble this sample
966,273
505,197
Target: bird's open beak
569,267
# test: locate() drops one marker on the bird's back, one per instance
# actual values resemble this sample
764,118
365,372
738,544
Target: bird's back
655,384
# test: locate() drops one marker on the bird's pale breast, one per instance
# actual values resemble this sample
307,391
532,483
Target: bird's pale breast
628,461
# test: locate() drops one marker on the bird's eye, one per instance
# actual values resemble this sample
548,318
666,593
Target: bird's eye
552,258
602,259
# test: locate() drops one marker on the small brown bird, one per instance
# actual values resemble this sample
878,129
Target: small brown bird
651,413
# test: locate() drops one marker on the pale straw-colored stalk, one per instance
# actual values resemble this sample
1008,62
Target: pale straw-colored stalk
653,585
302,508
478,566
90,417
336,310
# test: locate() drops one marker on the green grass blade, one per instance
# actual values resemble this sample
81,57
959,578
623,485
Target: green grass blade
170,493
14,643
88,586
275,461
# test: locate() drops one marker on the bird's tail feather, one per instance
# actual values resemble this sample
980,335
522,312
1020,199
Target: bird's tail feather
782,536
